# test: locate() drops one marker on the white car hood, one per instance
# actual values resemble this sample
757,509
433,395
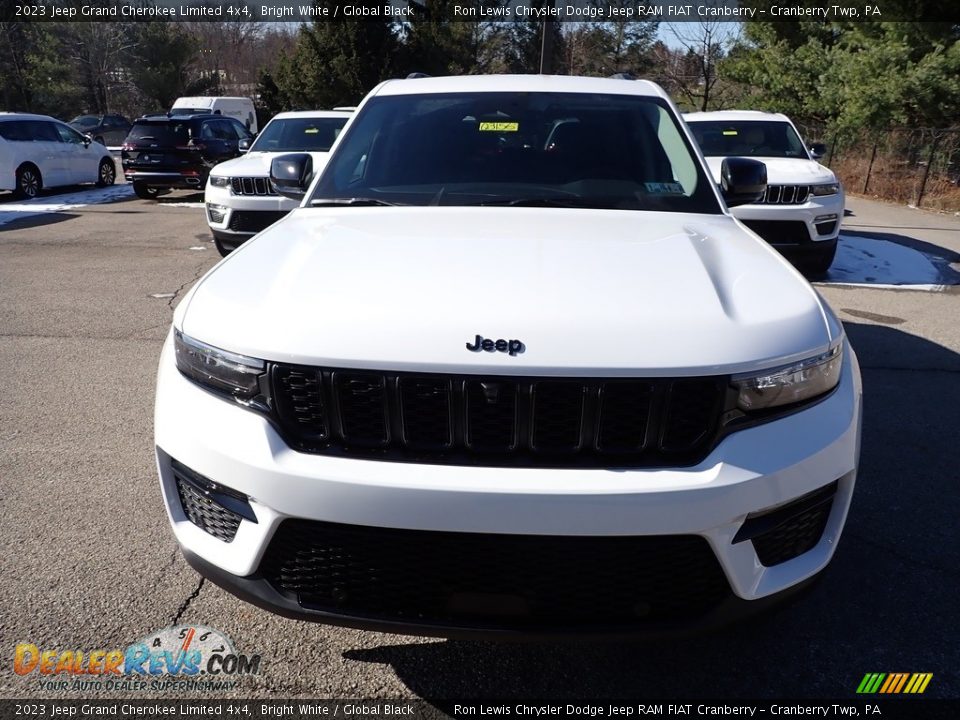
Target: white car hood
587,292
784,171
257,164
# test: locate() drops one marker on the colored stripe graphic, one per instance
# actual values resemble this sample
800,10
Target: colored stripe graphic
894,683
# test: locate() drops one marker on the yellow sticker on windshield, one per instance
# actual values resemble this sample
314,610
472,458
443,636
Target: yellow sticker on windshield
729,132
499,126
311,131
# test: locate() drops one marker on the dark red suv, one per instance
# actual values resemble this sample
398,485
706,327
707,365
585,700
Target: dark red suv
164,152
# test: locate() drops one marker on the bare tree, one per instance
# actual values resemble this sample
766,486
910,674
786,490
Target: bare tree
691,69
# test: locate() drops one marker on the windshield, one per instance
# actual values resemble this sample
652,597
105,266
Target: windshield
514,148
299,135
86,121
749,138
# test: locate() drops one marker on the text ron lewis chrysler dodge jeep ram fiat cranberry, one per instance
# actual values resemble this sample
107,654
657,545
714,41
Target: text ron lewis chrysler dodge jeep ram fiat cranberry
510,368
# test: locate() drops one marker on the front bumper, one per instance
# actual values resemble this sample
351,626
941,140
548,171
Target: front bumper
235,218
752,471
795,226
190,180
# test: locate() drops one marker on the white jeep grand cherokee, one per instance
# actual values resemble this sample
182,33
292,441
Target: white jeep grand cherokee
239,199
510,368
801,212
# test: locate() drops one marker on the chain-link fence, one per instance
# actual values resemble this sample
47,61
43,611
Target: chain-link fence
915,166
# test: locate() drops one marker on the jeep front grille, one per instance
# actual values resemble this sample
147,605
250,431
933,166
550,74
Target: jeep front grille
510,421
786,195
252,186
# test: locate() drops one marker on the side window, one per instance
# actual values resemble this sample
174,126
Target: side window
207,131
225,131
69,135
11,131
240,130
43,131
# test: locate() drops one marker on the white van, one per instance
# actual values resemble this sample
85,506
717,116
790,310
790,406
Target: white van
239,108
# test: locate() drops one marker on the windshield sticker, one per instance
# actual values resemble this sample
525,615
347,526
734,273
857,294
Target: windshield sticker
311,131
670,188
499,126
729,132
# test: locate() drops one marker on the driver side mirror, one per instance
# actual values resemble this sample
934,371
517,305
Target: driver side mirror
87,140
818,150
244,144
742,180
290,175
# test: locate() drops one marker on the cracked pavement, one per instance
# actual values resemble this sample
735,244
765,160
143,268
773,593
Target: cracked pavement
90,562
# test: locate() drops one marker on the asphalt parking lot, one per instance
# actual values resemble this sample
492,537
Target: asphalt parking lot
86,296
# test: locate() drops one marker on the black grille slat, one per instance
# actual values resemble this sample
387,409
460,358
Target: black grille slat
624,416
498,421
427,412
254,220
557,420
479,580
362,405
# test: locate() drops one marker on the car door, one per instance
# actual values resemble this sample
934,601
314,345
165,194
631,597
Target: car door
48,152
81,160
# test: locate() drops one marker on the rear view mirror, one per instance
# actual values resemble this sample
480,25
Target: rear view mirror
290,175
743,181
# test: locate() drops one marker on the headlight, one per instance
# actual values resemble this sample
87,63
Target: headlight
225,372
828,189
790,384
220,181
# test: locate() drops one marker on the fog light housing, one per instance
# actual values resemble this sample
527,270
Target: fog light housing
216,213
825,224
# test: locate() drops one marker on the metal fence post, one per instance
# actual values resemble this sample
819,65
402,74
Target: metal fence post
926,170
873,156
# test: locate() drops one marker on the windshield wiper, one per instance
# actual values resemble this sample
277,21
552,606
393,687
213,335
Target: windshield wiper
356,201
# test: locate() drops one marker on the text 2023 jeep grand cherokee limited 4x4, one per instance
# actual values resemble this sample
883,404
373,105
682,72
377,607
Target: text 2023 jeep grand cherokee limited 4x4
511,368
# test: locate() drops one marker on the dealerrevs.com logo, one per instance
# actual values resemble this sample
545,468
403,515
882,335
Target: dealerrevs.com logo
175,658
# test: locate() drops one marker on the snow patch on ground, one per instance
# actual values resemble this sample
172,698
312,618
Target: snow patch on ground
11,211
182,204
881,263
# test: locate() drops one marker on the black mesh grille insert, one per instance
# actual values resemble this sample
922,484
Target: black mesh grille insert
253,220
524,422
780,232
795,536
205,513
493,580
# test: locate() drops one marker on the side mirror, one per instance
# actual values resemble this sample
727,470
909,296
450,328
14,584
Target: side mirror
244,144
290,175
87,140
818,150
743,181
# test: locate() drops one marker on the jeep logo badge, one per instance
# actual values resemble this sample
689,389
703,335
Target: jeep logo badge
512,347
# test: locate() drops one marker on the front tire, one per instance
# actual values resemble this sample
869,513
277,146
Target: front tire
819,263
29,182
144,191
106,173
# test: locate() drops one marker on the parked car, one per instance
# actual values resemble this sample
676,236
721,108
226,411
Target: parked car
104,129
485,380
240,109
164,152
37,151
239,199
801,212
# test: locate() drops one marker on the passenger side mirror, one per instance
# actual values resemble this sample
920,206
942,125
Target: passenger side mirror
244,144
743,181
290,175
87,140
818,150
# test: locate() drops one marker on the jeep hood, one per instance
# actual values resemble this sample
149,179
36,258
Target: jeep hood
257,164
587,293
784,171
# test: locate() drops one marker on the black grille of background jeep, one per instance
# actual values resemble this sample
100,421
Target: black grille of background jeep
498,421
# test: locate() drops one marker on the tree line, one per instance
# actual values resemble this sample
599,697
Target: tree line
844,75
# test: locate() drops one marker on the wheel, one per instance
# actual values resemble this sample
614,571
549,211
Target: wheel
145,191
819,263
29,182
107,173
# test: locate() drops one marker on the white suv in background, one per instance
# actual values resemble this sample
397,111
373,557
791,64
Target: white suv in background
801,212
239,199
510,368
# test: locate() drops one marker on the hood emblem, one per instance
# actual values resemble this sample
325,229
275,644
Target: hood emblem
511,347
